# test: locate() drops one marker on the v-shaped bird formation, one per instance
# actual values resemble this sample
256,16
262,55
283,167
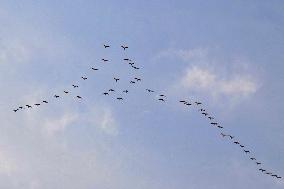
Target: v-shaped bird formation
161,98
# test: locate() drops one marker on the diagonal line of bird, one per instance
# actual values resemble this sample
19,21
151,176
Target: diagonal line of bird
160,98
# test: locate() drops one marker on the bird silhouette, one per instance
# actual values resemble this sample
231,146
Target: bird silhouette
132,82
84,78
56,96
45,101
205,114
125,91
253,159
126,59
198,103
182,101
116,79
105,60
106,46
111,90
223,135
95,69
211,118
214,123
242,146
150,91
278,177
15,110
161,99
79,97
136,68
37,104
28,106
231,136
66,92
75,86
131,63
105,93
236,142
119,98
258,163
21,107
124,47
246,151
219,126
187,103
137,79
202,110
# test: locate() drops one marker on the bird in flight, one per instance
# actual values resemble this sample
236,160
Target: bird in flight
15,110
204,113
66,92
84,78
219,126
253,159
28,106
150,91
161,99
242,146
278,177
210,118
137,79
56,96
111,90
106,46
126,59
105,60
116,79
79,97
236,142
202,110
131,63
21,107
262,170
132,82
223,135
119,98
136,68
187,103
198,103
75,86
37,104
105,93
214,123
258,163
124,47
231,136
45,101
125,91
246,151
95,69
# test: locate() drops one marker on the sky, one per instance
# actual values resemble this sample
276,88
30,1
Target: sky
226,54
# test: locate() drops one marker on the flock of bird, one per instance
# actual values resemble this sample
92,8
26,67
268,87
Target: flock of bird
161,98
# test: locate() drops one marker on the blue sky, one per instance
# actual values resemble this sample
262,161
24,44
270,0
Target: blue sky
226,54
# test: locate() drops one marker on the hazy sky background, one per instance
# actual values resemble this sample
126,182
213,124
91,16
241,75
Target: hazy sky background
227,54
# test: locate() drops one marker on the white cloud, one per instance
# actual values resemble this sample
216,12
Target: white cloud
203,80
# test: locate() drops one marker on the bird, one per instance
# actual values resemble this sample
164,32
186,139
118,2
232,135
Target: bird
66,92
131,63
84,78
182,101
214,123
223,135
242,146
220,127
79,97
15,110
210,118
132,82
231,136
274,175
126,59
37,104
258,163
202,110
56,96
75,86
106,46
28,106
204,113
124,47
137,79
161,99
246,151
253,159
45,101
262,170
105,60
21,107
116,79
111,90
125,91
136,68
268,173
105,93
161,95
236,142
188,104
95,69
198,103
150,91
119,98
278,177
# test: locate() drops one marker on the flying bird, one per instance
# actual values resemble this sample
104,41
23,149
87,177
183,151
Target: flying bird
278,177
125,91
136,68
95,69
204,113
37,104
242,146
105,60
119,98
188,104
124,47
161,99
236,142
56,96
182,101
231,136
198,103
131,63
126,59
21,107
258,163
79,97
150,91
219,126
111,90
45,101
105,93
28,106
66,92
15,110
84,78
262,170
214,123
246,151
223,135
106,46
137,79
116,79
253,159
132,82
75,86
211,118
202,110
